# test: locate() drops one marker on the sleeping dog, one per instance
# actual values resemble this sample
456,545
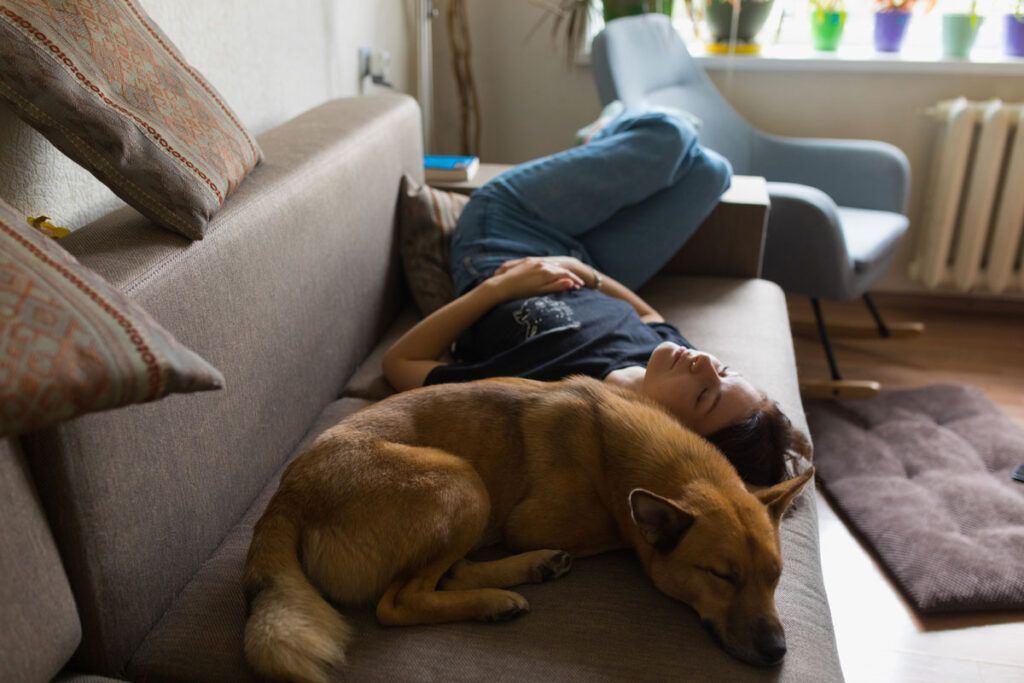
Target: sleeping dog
384,507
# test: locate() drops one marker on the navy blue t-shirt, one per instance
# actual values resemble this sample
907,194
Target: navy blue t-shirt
553,336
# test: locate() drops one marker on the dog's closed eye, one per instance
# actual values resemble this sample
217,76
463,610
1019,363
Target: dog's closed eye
719,575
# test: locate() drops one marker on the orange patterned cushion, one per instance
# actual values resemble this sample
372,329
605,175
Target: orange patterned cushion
426,221
108,88
72,344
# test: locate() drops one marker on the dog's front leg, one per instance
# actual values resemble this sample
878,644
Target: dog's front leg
532,567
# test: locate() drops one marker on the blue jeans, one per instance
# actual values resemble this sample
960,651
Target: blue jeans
625,203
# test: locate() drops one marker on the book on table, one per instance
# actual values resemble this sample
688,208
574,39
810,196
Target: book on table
450,168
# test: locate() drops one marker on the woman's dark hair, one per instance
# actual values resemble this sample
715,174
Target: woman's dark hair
760,446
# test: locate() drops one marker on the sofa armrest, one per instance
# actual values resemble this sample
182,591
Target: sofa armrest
730,241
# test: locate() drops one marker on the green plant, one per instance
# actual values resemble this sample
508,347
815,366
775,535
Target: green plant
827,5
968,7
570,19
904,5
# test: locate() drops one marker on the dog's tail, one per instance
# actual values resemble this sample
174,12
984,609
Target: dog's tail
292,634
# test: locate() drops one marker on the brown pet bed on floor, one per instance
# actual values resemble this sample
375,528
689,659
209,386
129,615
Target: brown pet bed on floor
924,475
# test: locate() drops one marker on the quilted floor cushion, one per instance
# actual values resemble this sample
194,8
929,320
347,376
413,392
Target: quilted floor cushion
603,621
924,475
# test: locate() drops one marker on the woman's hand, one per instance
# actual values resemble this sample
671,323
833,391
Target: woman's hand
522,278
580,269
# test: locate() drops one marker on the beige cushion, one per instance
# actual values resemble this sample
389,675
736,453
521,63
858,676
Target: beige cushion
72,344
604,621
426,221
368,381
110,90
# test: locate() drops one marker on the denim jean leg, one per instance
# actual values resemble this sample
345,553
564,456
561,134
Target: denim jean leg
634,244
547,206
491,230
634,157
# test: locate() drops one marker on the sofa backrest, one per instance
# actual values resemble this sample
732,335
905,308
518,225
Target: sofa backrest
294,282
38,621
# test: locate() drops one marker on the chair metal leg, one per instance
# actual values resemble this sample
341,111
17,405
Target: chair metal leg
826,343
883,329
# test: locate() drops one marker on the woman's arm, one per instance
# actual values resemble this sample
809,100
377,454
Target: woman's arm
410,359
590,276
616,289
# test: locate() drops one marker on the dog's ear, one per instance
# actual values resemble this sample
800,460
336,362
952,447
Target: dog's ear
777,498
660,521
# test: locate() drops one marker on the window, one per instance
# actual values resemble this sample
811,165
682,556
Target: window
787,33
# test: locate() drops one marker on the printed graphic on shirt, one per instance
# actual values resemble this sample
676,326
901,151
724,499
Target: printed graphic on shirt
542,314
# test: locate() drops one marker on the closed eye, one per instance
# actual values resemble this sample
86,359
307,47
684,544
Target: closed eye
719,575
724,371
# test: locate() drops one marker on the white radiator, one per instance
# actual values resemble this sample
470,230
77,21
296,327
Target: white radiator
971,233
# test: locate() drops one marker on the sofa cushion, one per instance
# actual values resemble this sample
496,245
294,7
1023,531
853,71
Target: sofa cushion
297,278
603,621
426,221
38,621
109,89
368,381
72,344
209,614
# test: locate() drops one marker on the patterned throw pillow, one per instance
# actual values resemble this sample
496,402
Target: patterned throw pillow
110,90
72,344
426,221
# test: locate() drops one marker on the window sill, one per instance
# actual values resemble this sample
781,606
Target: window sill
862,59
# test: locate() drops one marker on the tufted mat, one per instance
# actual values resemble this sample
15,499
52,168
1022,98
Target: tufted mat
925,476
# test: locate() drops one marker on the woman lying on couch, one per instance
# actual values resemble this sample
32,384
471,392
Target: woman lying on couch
545,259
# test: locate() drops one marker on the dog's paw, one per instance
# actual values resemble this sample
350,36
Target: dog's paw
515,606
554,567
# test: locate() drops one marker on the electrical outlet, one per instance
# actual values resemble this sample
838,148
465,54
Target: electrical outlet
376,65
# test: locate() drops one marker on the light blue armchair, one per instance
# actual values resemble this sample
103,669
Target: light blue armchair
836,215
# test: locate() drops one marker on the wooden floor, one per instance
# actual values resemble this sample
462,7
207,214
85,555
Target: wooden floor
880,637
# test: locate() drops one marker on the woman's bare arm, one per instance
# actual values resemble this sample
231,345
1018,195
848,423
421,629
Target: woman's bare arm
616,289
410,359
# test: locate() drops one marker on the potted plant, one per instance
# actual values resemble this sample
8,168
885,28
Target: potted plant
891,20
570,18
1013,31
959,29
750,19
828,17
613,9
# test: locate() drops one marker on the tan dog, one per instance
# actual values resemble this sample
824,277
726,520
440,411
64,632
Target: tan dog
384,507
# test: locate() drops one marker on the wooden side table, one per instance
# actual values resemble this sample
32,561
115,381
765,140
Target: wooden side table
730,241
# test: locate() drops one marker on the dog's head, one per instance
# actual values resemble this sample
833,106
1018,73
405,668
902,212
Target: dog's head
718,551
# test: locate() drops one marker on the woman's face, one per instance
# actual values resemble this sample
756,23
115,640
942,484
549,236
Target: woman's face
698,389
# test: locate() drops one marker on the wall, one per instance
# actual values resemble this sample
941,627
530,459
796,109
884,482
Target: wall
270,59
532,102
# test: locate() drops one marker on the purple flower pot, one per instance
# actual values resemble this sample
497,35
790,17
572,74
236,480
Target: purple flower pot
1013,35
890,28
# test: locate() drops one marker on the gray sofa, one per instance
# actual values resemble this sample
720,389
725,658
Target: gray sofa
125,532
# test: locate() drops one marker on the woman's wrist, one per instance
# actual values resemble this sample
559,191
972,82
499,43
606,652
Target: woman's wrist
490,292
